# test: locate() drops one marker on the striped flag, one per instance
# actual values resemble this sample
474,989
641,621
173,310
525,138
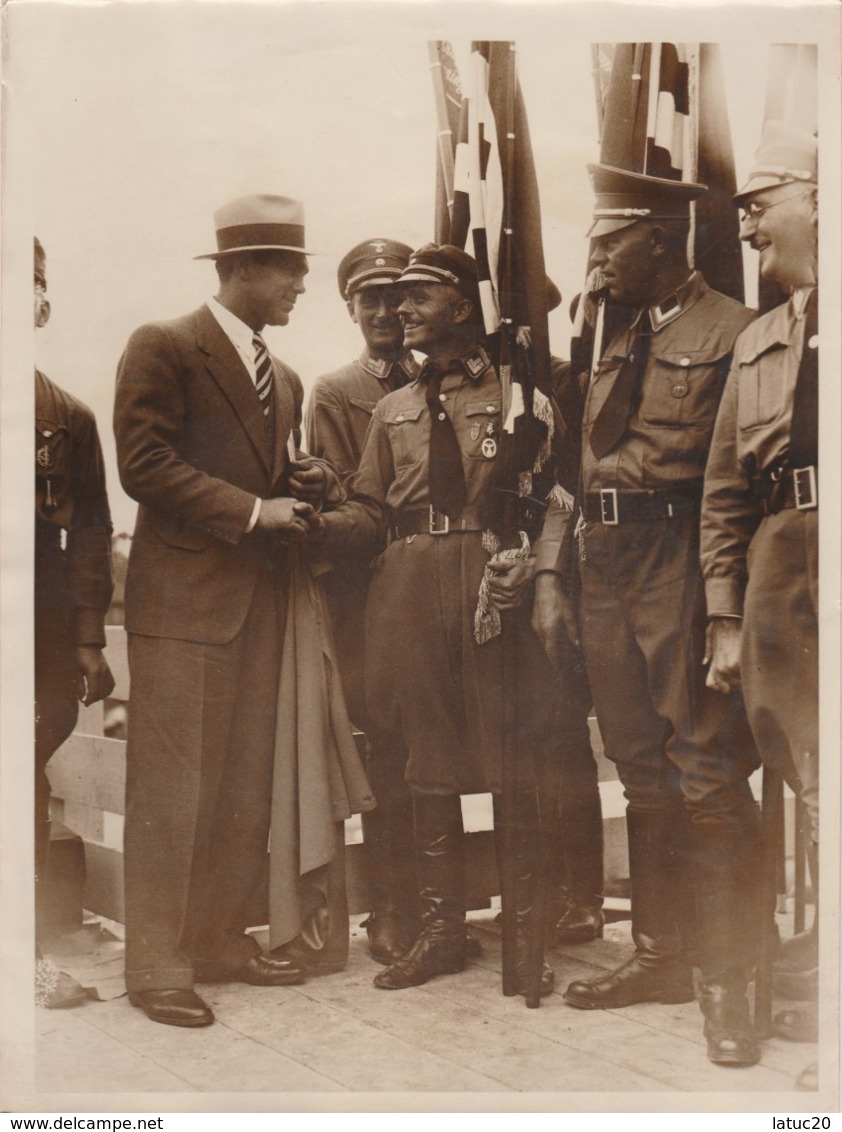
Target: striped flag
447,91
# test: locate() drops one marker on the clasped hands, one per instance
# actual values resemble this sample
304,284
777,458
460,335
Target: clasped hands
296,517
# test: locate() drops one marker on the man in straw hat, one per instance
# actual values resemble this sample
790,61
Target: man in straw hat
683,753
203,416
338,416
761,500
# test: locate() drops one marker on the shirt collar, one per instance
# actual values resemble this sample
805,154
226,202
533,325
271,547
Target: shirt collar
473,364
381,367
670,308
799,300
239,333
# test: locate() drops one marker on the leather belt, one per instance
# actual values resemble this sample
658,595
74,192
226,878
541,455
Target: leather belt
798,488
611,507
426,521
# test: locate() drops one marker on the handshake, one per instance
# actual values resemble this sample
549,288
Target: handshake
296,517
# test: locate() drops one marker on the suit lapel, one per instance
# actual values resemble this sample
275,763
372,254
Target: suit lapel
225,367
283,404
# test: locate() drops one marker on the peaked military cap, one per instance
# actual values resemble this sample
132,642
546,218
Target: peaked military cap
787,155
260,222
372,263
444,263
624,198
40,263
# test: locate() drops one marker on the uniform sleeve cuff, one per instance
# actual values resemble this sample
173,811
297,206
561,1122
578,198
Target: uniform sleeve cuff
89,628
724,597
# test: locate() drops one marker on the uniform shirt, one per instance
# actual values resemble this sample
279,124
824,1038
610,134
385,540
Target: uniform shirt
751,435
342,403
70,497
394,471
667,438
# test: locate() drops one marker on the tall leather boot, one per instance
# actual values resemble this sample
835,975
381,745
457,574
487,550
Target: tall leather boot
579,846
658,971
441,948
393,923
727,864
526,846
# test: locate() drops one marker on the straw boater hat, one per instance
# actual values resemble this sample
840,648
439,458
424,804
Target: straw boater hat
373,263
624,198
260,222
787,156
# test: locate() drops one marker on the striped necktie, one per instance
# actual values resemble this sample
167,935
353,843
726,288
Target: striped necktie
262,373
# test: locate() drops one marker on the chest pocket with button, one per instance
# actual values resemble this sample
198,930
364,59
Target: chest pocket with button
409,434
361,403
682,388
481,424
763,390
52,464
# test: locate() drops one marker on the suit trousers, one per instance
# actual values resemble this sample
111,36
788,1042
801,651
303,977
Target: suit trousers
198,791
780,662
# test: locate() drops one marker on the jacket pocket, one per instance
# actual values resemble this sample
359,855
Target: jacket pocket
363,404
409,434
480,427
682,389
762,389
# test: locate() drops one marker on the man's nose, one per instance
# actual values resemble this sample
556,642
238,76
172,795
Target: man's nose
748,226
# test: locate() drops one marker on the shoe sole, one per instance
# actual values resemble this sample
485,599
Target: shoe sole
406,986
671,998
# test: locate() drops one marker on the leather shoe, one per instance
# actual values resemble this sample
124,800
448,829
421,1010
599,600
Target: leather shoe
632,983
259,970
390,936
797,1025
428,956
579,924
173,1007
729,1033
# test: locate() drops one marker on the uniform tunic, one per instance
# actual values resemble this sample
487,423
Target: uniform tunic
643,615
764,567
74,582
338,415
424,671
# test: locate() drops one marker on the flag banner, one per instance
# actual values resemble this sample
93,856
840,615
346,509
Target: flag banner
447,91
663,114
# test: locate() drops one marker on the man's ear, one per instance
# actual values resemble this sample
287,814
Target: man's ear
43,313
463,311
350,305
657,240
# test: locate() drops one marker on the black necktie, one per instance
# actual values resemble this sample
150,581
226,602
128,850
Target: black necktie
804,431
447,477
621,402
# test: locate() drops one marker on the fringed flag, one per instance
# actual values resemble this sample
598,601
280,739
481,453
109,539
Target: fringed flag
447,91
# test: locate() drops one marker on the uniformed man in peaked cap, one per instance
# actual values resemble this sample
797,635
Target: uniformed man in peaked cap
74,581
426,478
761,500
683,753
338,416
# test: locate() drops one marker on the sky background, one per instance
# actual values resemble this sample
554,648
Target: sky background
128,124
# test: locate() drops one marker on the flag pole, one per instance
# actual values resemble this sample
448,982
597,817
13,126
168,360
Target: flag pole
510,818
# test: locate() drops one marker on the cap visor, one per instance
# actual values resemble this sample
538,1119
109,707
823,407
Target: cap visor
606,227
256,248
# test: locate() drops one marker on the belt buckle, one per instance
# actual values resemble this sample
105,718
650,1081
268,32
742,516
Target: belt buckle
804,488
608,506
437,517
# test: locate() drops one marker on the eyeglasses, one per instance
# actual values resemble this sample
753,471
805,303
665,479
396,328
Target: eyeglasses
754,211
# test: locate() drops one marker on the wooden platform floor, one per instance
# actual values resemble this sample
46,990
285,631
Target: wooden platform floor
457,1034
